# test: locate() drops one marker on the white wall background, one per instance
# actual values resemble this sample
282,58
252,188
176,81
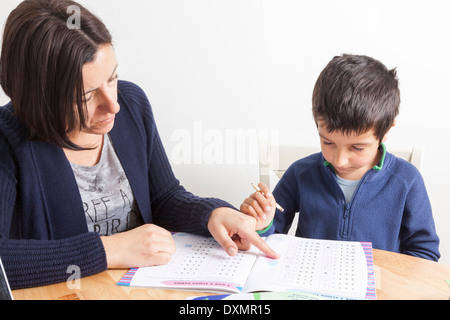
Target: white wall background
211,67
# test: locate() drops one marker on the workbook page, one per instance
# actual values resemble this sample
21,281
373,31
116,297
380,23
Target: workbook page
199,263
335,268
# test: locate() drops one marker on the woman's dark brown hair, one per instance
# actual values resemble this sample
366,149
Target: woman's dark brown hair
41,66
355,94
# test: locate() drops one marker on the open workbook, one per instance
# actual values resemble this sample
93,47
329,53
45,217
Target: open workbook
335,268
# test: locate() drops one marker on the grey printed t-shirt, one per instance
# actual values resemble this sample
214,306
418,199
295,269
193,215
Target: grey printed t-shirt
108,200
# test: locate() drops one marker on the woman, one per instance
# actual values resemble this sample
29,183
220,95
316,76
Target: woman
80,182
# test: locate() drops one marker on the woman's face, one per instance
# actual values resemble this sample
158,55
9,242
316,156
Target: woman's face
100,87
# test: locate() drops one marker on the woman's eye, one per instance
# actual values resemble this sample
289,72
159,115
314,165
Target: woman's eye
87,99
114,78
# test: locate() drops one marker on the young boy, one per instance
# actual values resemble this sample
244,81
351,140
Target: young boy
353,190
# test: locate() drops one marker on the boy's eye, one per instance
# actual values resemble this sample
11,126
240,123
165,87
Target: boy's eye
358,149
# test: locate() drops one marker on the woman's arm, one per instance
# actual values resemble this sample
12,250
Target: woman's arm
173,208
31,263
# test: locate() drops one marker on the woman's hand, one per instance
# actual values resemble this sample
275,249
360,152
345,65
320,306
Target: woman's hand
147,245
234,230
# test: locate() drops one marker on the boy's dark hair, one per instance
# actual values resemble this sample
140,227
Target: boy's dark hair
41,66
356,94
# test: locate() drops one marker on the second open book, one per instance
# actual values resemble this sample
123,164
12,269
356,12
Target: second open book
334,268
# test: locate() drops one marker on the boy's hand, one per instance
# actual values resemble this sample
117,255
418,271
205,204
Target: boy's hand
261,206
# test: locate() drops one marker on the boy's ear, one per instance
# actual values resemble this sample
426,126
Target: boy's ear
387,133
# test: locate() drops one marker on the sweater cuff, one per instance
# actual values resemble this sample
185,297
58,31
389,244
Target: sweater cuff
265,229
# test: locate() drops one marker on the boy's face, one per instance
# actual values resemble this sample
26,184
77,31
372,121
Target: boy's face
350,155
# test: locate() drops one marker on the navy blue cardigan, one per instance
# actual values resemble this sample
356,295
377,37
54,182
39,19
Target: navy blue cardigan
43,228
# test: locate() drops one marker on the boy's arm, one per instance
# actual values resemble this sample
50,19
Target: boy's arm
418,233
287,194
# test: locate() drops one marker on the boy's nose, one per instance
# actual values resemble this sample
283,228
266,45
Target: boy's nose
340,159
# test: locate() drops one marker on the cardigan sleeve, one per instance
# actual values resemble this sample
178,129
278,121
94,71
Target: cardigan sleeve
173,207
31,263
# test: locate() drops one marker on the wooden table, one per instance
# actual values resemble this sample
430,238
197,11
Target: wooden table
397,276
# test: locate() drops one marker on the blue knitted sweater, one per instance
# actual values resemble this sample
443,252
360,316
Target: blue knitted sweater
43,227
389,208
